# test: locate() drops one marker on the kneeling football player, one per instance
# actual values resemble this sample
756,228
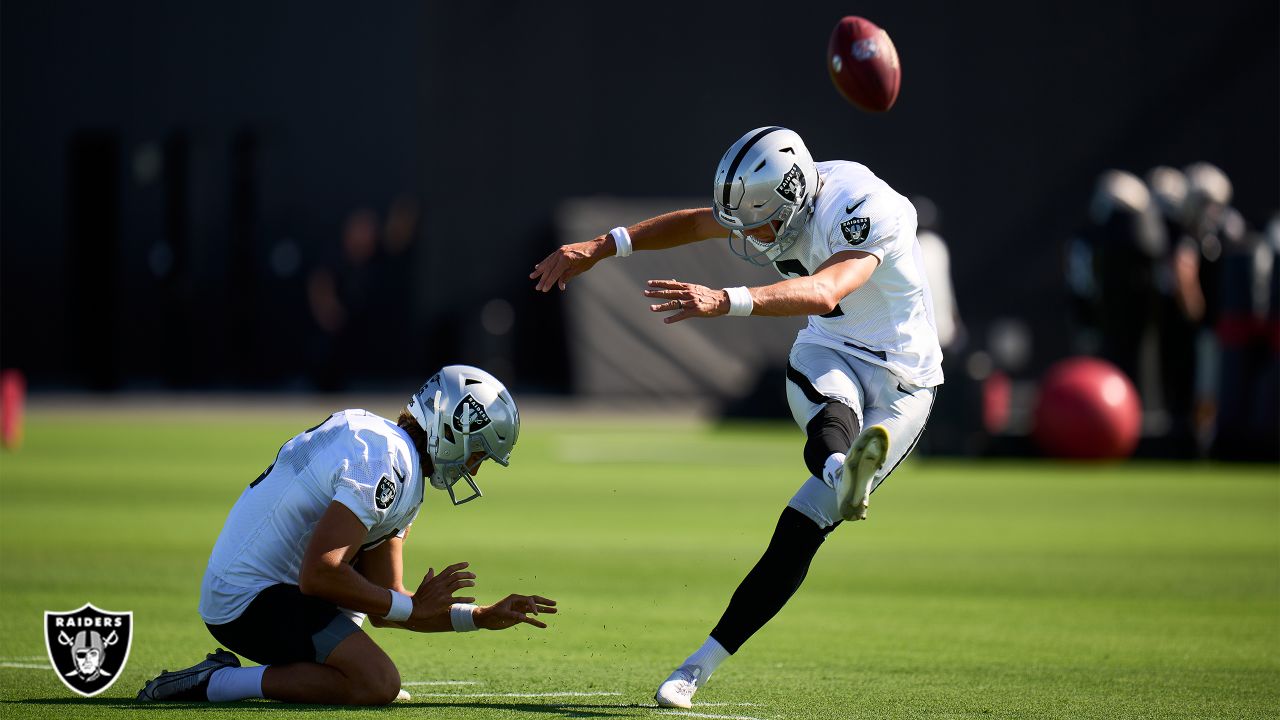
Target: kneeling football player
315,544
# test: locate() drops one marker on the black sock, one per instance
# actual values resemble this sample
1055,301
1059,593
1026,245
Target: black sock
773,580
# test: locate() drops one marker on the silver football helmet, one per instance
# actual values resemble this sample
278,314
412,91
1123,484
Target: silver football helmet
464,409
766,178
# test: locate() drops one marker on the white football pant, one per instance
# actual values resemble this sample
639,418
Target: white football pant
875,395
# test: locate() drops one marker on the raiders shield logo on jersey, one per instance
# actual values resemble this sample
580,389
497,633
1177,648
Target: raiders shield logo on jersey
469,416
792,185
88,647
385,494
855,229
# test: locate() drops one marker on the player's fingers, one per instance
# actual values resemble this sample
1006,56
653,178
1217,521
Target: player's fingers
668,306
672,284
682,315
550,268
455,568
459,584
532,621
543,601
543,609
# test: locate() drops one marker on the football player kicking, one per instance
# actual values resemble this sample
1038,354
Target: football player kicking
315,544
861,377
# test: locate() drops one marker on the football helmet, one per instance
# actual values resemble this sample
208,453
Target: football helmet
464,409
767,177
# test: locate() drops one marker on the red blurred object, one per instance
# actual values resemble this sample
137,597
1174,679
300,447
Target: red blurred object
864,64
997,396
13,397
1087,409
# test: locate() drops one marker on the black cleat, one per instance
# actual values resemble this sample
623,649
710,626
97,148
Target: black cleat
191,684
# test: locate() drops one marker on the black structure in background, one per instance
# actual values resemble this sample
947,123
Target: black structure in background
93,257
277,121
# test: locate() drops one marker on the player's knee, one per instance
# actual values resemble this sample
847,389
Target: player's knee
379,687
371,677
830,431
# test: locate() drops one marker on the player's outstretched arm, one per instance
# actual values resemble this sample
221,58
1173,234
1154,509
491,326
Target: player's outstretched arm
513,610
810,295
665,231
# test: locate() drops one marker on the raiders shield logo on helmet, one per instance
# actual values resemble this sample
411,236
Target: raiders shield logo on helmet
855,229
88,647
469,416
792,185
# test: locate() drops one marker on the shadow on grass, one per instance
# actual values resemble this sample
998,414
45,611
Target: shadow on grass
570,710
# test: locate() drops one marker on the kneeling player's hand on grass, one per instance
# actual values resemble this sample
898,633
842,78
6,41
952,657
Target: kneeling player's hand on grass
513,610
435,594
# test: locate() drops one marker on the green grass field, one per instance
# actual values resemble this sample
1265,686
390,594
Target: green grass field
976,589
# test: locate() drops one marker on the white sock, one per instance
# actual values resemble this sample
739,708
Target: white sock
708,657
833,469
239,683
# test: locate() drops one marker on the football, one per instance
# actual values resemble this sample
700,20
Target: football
864,64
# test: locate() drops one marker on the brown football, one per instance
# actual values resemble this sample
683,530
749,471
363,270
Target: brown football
864,64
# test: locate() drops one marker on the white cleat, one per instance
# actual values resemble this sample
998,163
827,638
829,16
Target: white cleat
866,457
403,696
678,689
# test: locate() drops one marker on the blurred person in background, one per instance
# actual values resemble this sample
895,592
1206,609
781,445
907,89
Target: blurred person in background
1207,226
1248,334
937,265
1180,313
861,377
316,543
1127,244
354,298
958,412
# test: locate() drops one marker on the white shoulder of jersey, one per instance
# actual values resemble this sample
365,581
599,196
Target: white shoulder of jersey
381,478
856,210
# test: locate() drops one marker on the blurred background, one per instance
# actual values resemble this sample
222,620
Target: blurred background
324,197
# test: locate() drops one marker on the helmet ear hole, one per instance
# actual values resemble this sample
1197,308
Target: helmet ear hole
448,432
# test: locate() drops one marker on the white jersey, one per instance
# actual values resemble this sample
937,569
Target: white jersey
889,320
356,458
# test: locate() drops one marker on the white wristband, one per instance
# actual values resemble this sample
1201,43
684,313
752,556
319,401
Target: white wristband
740,302
622,240
401,607
462,615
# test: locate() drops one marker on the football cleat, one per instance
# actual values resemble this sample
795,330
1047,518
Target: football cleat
191,684
678,689
866,457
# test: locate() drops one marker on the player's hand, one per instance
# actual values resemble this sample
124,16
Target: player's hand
688,299
513,610
567,262
435,594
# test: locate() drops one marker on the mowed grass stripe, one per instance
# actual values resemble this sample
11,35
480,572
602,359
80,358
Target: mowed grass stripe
992,589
